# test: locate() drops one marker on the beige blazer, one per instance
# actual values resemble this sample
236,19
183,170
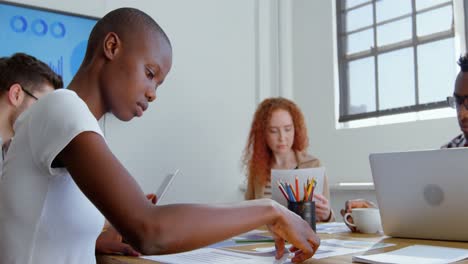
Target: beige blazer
256,190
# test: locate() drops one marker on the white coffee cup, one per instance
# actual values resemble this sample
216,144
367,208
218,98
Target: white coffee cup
366,220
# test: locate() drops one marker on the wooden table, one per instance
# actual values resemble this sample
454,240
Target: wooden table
399,243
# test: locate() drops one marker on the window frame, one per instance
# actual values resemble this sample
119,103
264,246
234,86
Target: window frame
375,51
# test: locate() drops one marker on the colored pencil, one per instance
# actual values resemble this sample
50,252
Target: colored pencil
282,190
297,189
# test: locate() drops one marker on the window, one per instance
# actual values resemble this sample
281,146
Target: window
395,56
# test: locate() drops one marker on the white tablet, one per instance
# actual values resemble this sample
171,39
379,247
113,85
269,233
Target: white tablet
162,190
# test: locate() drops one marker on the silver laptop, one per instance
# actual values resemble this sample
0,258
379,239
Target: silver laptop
423,194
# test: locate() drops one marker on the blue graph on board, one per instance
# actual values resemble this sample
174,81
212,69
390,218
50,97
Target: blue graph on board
58,39
58,68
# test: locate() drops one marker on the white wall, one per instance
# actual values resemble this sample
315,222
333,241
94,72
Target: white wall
200,120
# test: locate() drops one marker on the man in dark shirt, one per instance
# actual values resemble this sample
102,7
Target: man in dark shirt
459,101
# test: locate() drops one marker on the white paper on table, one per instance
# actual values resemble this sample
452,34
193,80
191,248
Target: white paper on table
210,256
416,254
338,247
332,228
290,176
231,242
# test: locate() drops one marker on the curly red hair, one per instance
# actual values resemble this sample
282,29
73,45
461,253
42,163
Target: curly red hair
257,155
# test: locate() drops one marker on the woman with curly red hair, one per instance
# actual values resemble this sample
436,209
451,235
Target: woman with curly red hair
278,140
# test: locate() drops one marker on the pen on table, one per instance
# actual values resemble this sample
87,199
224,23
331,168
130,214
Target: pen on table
261,240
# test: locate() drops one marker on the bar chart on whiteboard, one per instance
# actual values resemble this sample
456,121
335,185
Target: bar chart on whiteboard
57,38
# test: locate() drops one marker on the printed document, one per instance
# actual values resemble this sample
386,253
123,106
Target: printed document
416,254
336,247
332,228
210,256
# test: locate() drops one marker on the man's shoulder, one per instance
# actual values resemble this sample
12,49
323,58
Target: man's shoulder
61,96
58,103
55,104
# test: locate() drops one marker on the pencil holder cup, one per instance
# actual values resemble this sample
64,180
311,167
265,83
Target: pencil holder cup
306,210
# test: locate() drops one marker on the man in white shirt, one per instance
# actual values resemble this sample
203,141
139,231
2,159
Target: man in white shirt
23,80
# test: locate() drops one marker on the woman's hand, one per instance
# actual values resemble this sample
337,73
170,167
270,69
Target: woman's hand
296,231
152,198
357,203
110,242
323,211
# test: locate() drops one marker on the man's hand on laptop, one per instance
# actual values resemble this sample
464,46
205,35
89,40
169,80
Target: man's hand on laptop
356,203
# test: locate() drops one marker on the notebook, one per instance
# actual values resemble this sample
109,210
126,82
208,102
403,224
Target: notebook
423,194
